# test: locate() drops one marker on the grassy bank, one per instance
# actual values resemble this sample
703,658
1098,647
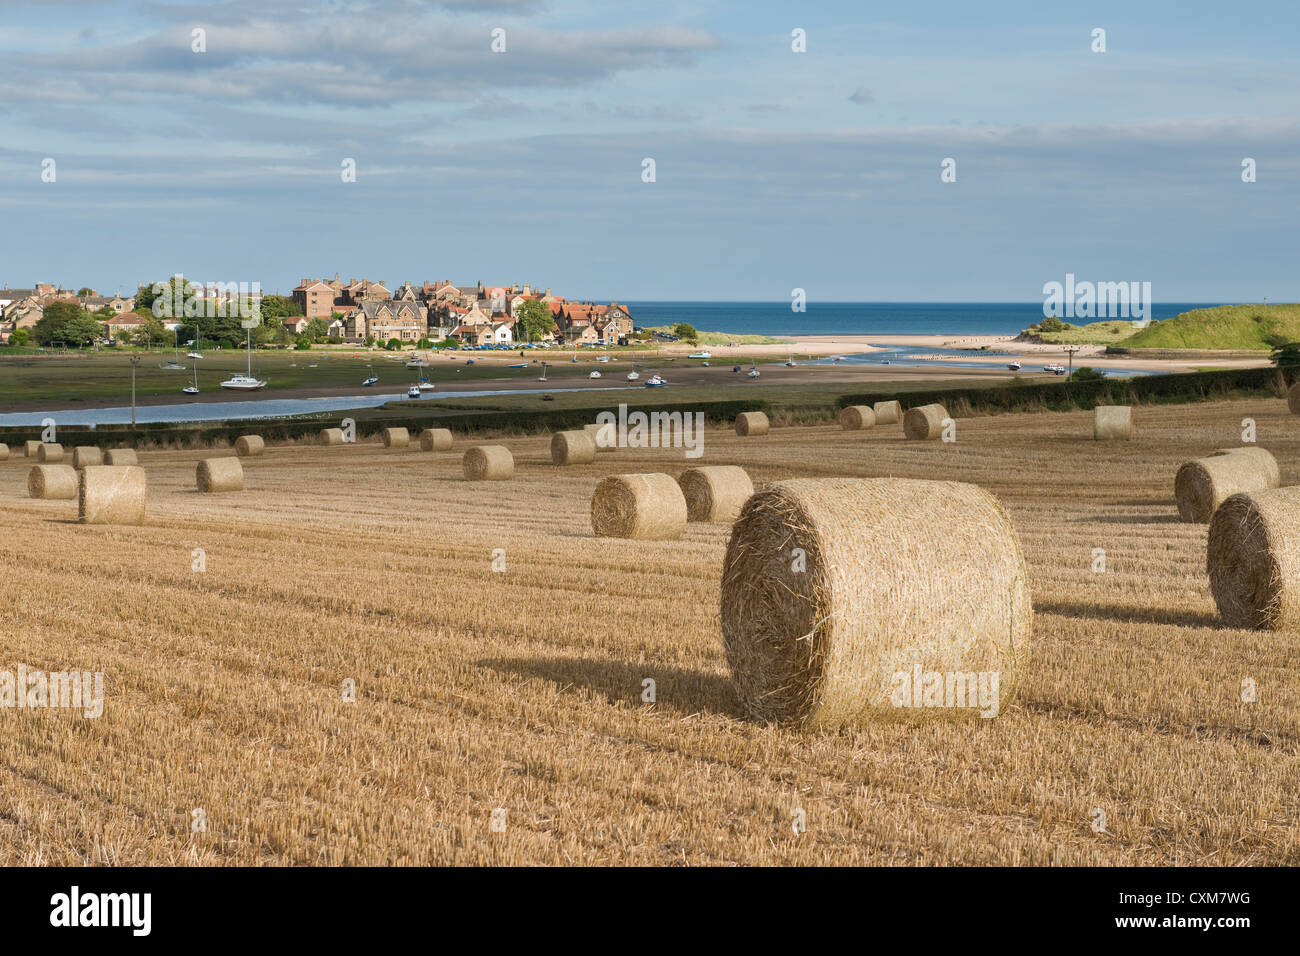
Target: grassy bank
727,338
1236,328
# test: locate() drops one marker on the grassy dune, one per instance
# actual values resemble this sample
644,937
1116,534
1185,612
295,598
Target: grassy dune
1247,327
521,690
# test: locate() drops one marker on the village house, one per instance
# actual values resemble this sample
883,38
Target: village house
315,298
120,328
404,321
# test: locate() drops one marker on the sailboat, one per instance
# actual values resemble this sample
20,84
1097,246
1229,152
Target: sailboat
174,365
371,379
543,378
193,389
245,383
198,342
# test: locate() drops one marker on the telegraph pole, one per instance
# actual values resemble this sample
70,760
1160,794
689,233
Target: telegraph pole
135,363
1070,350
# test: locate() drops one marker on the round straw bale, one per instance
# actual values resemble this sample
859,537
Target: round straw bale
30,447
888,413
856,417
488,463
1253,559
1112,421
247,446
605,436
4,452
1293,399
111,494
121,456
395,437
892,577
644,507
52,481
219,474
331,436
50,452
435,439
924,421
752,423
715,492
1202,484
573,448
84,455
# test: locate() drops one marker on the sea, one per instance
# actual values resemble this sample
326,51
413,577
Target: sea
776,319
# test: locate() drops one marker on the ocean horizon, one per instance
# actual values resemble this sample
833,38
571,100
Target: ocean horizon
862,318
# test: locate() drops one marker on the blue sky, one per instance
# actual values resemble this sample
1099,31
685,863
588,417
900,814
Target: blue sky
774,169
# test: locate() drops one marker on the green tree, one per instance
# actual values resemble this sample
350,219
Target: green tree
303,343
279,307
85,292
393,345
19,337
534,321
66,323
1086,373
1051,324
318,330
684,330
145,297
1287,354
424,344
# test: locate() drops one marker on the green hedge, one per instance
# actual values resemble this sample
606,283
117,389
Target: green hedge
1059,396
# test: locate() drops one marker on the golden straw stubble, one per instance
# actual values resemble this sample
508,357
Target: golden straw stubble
715,492
1252,557
649,507
1202,484
834,587
111,494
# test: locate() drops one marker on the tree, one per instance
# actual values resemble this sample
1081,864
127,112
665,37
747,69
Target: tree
318,330
1086,373
534,320
19,337
393,345
303,343
85,292
279,307
424,344
66,323
1051,324
684,330
1288,354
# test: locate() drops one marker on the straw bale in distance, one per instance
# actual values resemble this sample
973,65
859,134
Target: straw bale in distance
715,492
856,417
30,447
888,413
4,452
219,474
1253,559
395,437
1112,422
488,463
605,436
435,439
111,494
749,424
84,455
49,452
573,448
924,422
898,574
647,507
331,436
1202,484
247,446
121,456
52,482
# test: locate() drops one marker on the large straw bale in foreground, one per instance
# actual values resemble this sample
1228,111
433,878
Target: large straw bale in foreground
331,436
49,453
898,575
435,439
924,422
1112,422
488,463
857,417
645,507
52,482
715,492
573,448
888,413
749,424
395,437
219,474
1202,484
605,436
1253,559
84,455
111,494
121,456
248,446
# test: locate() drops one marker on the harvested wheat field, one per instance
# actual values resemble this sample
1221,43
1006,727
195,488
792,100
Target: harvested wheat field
522,689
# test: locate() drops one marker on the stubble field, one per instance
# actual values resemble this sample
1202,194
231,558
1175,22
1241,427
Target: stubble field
521,690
